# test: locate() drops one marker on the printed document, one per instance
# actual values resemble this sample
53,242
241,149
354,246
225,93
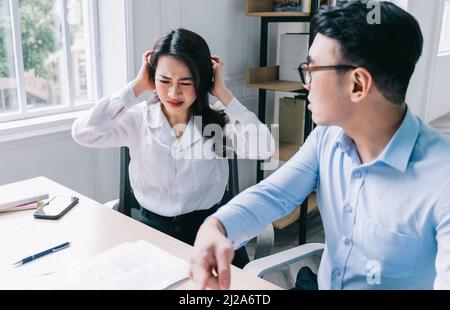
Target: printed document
138,265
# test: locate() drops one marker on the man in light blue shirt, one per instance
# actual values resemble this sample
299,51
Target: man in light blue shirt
382,176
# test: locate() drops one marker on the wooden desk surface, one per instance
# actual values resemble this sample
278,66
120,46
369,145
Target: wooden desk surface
92,228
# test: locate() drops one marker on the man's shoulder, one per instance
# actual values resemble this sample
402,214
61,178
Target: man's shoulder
433,144
432,153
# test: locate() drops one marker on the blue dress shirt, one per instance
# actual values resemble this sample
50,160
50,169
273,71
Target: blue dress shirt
386,223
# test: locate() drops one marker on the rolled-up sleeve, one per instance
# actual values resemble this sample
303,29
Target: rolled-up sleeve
110,123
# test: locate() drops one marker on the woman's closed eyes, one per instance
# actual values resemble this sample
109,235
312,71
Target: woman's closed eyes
168,81
185,81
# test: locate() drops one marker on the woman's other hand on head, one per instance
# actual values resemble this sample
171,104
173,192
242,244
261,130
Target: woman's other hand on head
144,81
219,89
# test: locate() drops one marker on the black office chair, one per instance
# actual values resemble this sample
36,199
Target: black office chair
127,201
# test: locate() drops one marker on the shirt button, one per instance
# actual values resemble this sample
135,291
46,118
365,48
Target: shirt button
238,125
347,242
348,209
336,273
357,174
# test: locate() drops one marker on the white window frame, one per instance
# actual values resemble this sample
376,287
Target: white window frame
444,29
90,10
401,3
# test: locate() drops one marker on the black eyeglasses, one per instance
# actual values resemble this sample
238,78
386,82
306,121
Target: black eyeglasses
305,70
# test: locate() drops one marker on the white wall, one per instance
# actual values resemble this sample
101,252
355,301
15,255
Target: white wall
428,94
47,155
57,157
440,93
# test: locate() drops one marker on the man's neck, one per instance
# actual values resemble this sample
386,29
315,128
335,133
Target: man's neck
374,128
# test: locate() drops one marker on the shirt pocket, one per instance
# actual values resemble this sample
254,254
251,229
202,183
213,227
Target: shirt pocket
396,252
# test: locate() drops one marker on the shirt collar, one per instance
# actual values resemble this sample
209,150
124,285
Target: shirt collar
398,151
344,142
155,115
157,119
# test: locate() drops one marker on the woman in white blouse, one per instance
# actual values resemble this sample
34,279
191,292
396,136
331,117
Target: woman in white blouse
176,175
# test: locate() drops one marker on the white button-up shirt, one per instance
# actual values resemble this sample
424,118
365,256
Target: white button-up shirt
171,176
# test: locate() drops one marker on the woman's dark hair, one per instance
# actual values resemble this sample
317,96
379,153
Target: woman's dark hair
193,50
389,50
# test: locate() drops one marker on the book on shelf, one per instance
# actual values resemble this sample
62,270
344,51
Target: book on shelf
287,5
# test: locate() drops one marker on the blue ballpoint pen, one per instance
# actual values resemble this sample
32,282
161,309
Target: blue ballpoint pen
43,253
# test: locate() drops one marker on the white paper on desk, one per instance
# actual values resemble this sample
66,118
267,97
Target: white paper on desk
137,265
33,275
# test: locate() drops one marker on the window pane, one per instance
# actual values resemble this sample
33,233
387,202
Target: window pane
79,49
8,84
444,44
43,53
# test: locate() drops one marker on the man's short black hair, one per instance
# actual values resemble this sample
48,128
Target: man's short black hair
389,50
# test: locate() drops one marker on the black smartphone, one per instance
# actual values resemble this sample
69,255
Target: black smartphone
55,208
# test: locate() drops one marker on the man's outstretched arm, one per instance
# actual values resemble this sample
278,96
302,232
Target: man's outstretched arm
250,212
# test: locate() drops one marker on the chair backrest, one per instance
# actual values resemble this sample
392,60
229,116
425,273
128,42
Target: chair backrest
127,201
232,188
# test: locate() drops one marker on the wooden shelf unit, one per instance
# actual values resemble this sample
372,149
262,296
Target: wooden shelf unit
267,78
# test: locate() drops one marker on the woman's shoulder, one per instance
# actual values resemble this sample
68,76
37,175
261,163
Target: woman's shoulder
138,109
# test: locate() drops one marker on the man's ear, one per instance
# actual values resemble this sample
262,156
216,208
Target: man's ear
361,83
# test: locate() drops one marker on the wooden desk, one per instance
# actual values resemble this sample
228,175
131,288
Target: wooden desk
92,228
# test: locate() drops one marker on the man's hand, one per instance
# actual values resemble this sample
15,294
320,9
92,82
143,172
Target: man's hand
213,254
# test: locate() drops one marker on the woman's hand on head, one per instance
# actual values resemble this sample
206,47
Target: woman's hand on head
144,81
219,89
